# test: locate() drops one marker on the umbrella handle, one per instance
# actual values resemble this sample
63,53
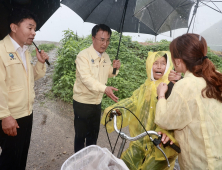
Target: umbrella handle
40,52
114,71
47,62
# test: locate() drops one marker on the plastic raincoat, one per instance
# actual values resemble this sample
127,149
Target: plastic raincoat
142,154
196,121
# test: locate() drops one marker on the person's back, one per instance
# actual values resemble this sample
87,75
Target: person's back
193,110
201,140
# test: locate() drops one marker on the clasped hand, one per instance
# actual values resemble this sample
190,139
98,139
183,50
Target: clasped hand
116,64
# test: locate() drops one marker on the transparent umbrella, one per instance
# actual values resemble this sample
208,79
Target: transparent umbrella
203,17
163,15
206,20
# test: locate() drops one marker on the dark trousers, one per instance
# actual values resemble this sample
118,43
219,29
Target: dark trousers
86,124
15,148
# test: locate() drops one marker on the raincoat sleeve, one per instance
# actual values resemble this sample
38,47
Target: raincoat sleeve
173,113
91,83
4,111
39,70
129,103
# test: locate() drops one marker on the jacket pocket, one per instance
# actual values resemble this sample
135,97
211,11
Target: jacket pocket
15,74
12,62
17,98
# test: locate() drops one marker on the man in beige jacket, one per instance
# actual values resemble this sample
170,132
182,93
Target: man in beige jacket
17,76
93,68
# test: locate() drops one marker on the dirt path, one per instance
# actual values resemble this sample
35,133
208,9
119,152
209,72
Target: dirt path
53,128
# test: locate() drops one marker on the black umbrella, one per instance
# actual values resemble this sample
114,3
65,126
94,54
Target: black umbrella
117,14
42,8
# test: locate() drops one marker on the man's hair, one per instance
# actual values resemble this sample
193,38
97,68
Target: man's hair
102,27
18,15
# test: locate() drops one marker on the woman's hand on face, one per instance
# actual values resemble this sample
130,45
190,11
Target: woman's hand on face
162,89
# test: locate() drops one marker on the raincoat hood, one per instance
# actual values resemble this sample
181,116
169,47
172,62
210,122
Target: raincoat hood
152,57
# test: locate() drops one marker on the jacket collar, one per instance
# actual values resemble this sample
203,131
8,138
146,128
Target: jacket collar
9,45
94,53
17,46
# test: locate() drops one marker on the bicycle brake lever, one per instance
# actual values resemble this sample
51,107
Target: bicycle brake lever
164,155
156,142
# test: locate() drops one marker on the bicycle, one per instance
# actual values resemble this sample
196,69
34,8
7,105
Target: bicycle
156,141
78,161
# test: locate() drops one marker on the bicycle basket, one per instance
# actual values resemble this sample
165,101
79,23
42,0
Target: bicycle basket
93,158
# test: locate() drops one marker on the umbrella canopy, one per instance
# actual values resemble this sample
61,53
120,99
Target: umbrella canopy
109,12
117,14
164,15
42,8
206,3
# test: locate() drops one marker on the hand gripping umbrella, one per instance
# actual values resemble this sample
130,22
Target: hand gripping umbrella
43,9
117,14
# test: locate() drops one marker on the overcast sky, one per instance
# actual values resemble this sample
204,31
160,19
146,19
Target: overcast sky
64,18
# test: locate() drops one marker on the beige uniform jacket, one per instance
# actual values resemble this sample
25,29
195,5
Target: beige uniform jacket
197,124
16,85
92,73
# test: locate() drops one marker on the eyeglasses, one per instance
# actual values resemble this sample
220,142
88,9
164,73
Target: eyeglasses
103,40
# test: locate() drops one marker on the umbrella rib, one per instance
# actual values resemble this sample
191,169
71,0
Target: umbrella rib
215,5
194,21
152,22
211,7
143,8
171,13
186,4
93,10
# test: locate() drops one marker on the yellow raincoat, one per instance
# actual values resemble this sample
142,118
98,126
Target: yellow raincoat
196,121
142,154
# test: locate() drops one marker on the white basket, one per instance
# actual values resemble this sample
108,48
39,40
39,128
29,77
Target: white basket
94,158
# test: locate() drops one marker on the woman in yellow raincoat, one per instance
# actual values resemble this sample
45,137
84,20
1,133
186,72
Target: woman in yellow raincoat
142,154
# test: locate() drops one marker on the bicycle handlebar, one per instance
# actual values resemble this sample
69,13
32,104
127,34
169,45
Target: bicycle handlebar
123,135
173,146
156,142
